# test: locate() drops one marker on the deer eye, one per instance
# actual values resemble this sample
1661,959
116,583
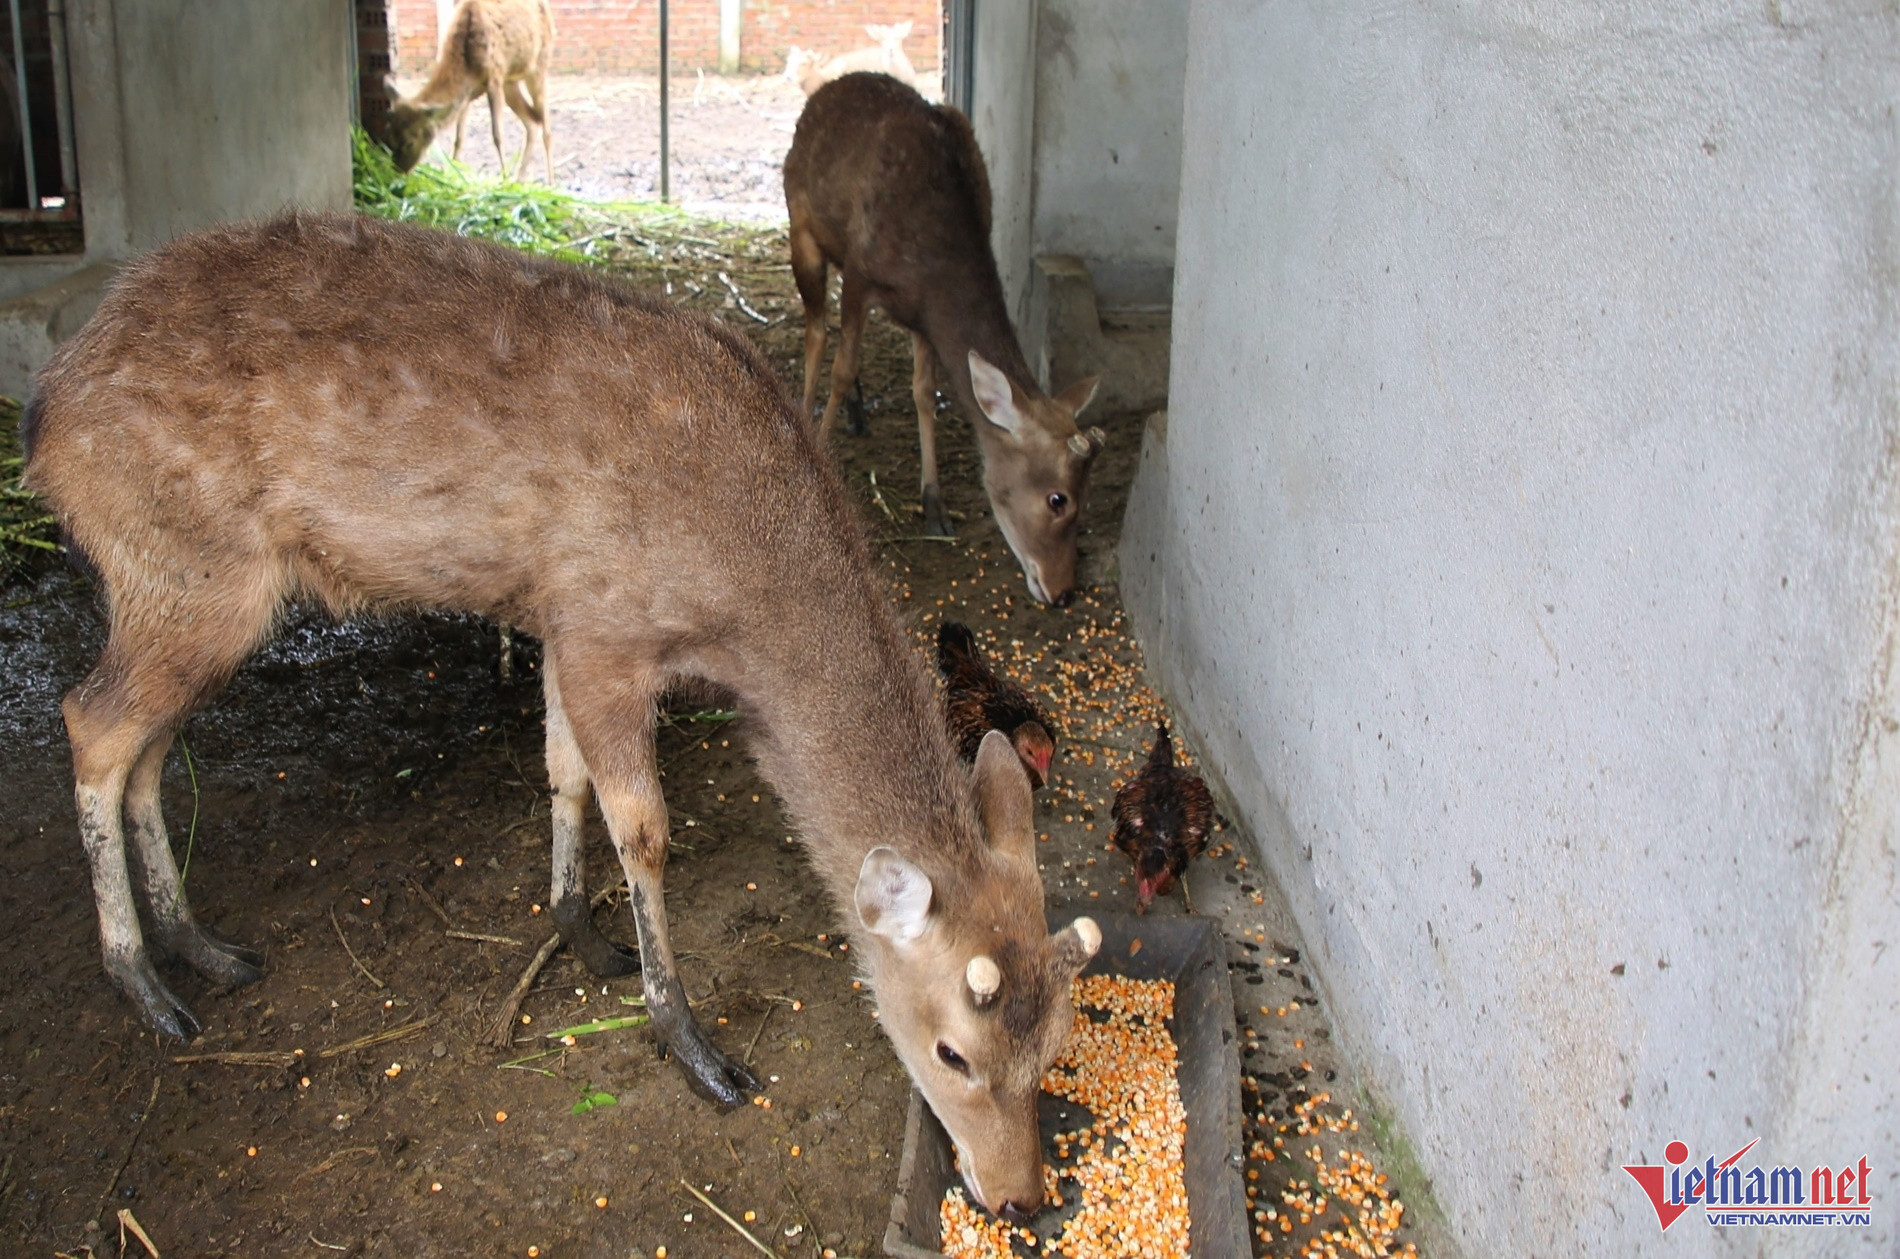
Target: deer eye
1058,501
951,1058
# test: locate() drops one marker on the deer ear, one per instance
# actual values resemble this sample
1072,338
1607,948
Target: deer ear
893,896
1003,798
1080,394
994,395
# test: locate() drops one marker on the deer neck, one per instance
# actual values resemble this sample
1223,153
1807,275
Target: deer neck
961,316
846,727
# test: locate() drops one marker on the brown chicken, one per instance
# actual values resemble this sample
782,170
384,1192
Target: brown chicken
1162,820
977,700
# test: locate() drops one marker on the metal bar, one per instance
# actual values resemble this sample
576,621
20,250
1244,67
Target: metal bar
666,182
26,112
63,100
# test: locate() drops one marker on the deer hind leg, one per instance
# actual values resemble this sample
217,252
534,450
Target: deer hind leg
573,915
852,308
494,124
531,118
813,276
613,727
150,676
461,128
175,931
923,392
537,87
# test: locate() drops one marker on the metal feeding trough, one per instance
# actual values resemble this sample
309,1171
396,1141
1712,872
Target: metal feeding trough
1187,951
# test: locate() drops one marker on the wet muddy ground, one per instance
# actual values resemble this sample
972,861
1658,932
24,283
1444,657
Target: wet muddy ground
365,799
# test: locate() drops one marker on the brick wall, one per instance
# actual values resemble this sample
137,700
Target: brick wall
622,36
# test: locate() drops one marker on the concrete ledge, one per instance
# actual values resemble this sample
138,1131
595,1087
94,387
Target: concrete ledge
1067,336
33,324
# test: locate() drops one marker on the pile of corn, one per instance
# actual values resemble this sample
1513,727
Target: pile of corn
1128,1164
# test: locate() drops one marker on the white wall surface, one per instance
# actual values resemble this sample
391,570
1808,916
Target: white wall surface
1109,79
1523,554
1002,114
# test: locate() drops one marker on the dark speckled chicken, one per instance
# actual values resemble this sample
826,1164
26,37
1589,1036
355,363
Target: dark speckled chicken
1162,820
977,700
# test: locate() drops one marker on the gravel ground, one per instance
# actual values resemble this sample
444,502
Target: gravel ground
729,137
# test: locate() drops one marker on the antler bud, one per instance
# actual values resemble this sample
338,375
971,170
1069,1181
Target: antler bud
984,978
1079,446
1098,438
1076,943
1089,934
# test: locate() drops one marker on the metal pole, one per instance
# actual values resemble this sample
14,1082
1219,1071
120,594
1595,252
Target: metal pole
62,101
666,182
26,112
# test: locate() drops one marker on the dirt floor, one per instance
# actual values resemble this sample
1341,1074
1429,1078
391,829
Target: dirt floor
368,804
727,140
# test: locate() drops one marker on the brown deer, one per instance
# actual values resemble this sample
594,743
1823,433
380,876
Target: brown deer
369,416
892,191
492,47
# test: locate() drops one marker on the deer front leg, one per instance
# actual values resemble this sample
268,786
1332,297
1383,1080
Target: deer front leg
461,128
174,928
494,126
613,726
567,903
923,392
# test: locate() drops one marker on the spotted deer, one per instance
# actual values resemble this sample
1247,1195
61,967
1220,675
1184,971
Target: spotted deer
366,417
495,48
893,192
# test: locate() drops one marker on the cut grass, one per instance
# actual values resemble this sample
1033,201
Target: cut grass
28,534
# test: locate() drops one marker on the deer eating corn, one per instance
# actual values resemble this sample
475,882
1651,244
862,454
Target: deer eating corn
1127,1165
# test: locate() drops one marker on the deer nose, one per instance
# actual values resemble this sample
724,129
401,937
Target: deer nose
1015,1214
1064,599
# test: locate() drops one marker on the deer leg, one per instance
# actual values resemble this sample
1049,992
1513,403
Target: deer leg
854,422
923,392
530,118
613,726
461,127
537,85
812,274
494,126
568,905
852,307
174,930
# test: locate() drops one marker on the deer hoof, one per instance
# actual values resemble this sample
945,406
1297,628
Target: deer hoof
162,1012
709,1073
854,422
936,524
223,963
602,957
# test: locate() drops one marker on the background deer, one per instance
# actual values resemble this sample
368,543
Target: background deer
370,416
495,47
893,192
811,70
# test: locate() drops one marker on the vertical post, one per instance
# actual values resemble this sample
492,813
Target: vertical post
63,101
26,112
730,12
666,182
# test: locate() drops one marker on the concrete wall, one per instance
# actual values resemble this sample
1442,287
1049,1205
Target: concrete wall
185,113
1002,113
1523,553
1109,78
232,109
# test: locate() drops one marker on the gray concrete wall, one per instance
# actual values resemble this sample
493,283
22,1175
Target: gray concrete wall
1108,86
1523,554
185,113
232,109
1002,114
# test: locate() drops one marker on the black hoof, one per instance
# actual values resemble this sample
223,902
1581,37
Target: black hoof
602,957
228,965
936,524
854,423
161,1011
710,1073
